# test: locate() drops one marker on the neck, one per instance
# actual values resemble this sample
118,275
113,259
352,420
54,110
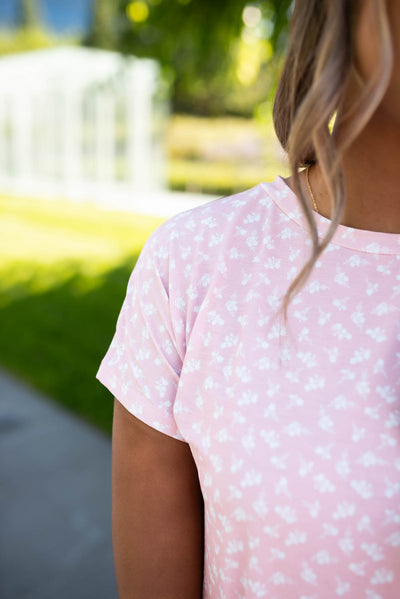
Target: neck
371,167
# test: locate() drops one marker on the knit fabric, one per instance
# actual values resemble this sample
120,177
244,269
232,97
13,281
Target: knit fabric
295,431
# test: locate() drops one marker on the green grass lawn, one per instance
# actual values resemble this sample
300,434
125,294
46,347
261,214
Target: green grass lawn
222,155
63,275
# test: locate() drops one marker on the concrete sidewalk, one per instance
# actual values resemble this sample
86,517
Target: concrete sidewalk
55,501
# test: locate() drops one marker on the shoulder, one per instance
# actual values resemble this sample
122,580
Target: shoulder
216,222
195,254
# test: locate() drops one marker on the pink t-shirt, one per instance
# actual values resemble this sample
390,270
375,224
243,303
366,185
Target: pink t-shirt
295,433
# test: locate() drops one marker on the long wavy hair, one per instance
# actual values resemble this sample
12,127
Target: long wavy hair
319,65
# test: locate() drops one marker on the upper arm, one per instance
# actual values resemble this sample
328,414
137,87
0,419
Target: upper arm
157,513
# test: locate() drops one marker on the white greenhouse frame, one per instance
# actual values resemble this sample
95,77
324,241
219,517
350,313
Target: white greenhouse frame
81,123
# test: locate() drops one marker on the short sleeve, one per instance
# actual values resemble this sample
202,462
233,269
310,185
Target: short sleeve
143,363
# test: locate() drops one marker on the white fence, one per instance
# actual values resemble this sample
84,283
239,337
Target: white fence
77,122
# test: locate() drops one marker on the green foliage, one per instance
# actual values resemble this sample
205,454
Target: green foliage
197,45
102,30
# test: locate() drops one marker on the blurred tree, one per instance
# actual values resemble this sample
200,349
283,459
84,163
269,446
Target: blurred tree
196,43
28,15
102,30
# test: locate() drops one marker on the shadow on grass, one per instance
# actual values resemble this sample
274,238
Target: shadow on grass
56,339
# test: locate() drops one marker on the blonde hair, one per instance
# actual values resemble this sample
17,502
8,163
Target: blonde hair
319,64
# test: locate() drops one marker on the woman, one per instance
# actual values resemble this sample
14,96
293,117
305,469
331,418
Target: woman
254,455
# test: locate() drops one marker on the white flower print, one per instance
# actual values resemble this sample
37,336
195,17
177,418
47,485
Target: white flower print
378,334
388,441
251,479
243,373
360,355
344,510
330,530
313,509
392,516
247,398
341,402
339,331
372,595
372,412
363,488
192,365
277,554
315,382
393,420
305,467
364,524
282,487
271,438
358,316
296,537
287,513
229,341
392,488
309,359
272,531
308,574
324,451
316,287
393,539
384,269
324,317
223,436
260,507
254,542
322,484
369,459
161,386
326,423
357,568
382,576
355,261
323,558
372,288
279,578
341,278
279,462
374,551
249,442
342,587
294,429
341,304
387,393
346,544
358,433
215,319
234,547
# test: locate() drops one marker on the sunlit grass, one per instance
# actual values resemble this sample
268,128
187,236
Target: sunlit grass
222,155
221,179
63,273
50,240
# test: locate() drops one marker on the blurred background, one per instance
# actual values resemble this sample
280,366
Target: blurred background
114,115
116,103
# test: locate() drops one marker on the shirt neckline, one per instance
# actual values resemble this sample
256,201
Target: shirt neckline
372,242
